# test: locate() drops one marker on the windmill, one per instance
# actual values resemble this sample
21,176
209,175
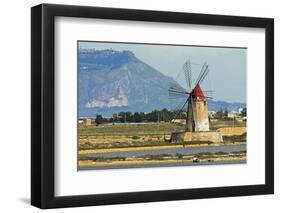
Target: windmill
195,99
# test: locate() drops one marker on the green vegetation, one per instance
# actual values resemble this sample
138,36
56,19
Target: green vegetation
214,125
87,146
102,159
140,135
147,128
204,155
99,119
233,138
138,117
198,142
156,157
135,137
130,129
127,131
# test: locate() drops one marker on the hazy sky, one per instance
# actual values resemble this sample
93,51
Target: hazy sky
227,76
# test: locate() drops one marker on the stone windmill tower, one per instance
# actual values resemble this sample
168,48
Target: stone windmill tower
197,120
197,111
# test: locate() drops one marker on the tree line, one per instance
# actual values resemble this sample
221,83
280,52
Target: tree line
137,117
154,116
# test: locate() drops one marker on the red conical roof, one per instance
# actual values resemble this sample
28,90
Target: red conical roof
197,92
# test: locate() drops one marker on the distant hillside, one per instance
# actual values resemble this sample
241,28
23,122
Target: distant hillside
112,81
222,105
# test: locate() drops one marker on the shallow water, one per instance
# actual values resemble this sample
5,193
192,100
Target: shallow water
183,151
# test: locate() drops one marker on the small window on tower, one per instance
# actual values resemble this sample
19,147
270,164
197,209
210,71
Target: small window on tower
205,102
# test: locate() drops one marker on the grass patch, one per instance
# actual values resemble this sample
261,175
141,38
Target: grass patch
123,145
198,142
214,125
102,159
130,129
135,137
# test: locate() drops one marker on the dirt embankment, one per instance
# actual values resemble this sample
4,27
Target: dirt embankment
230,131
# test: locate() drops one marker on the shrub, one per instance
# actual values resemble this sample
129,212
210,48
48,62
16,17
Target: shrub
135,137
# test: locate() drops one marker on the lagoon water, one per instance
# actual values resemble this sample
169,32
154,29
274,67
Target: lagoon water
183,151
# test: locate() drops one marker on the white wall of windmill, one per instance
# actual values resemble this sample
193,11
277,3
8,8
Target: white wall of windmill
198,116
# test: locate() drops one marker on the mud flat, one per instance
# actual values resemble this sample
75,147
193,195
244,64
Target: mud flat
230,131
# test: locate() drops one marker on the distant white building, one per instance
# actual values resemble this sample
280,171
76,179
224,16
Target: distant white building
86,121
233,114
211,114
179,121
240,110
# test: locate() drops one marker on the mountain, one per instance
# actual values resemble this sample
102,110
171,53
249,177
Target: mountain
222,105
112,81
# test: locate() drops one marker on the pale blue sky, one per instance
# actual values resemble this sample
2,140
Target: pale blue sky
227,75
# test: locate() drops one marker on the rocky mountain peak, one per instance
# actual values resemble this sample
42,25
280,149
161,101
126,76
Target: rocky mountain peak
111,81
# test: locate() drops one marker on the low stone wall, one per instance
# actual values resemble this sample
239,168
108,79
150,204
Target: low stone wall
212,136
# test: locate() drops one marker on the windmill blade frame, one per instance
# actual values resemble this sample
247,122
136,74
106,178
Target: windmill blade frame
180,110
201,72
188,74
204,76
177,87
177,94
176,91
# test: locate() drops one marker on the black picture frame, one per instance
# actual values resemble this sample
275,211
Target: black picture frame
43,105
